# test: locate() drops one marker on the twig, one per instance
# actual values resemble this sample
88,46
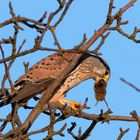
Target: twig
36,26
56,42
88,131
101,117
122,133
15,120
109,15
85,104
43,17
13,15
135,116
59,132
11,9
5,121
78,47
79,132
6,41
44,112
106,27
6,71
45,128
51,128
26,66
37,49
130,84
131,36
50,18
98,33
88,116
21,20
127,6
118,17
69,130
103,37
50,92
64,12
10,64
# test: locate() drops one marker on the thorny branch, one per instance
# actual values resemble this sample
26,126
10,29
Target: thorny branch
42,27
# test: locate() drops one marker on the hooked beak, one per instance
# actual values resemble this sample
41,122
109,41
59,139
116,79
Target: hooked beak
106,78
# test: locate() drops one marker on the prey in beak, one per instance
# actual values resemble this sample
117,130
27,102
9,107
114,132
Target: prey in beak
100,91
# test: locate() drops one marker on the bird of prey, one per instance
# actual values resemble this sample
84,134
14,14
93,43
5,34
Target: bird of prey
48,70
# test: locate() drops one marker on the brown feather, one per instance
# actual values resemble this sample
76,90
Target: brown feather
39,76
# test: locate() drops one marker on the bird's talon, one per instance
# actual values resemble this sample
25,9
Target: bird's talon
76,106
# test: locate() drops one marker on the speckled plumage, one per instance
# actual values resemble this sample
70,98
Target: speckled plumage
48,70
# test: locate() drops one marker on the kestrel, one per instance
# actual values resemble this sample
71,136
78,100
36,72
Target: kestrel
46,71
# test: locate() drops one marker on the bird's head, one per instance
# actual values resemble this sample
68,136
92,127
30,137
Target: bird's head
100,72
101,76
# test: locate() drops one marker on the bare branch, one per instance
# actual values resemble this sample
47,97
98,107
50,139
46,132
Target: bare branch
6,71
43,17
50,18
106,27
51,131
127,6
88,116
13,15
132,36
21,130
10,64
96,51
61,118
88,131
11,9
21,20
26,66
73,125
122,133
37,48
5,121
135,116
6,41
56,42
109,15
68,4
130,84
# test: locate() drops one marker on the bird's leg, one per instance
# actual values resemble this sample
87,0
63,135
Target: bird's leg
73,105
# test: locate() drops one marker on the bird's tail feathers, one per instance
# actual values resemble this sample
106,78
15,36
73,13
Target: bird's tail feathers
5,98
5,102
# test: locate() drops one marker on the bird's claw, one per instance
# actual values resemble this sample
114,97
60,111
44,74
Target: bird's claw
74,106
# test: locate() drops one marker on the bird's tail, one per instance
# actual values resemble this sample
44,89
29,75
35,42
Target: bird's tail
5,97
4,102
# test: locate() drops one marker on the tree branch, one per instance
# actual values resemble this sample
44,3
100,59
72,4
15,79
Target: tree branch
130,84
122,133
135,116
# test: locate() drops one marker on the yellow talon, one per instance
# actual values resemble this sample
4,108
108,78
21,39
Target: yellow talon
73,105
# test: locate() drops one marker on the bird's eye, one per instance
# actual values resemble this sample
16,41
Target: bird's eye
106,72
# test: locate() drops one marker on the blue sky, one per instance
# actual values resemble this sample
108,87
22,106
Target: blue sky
122,55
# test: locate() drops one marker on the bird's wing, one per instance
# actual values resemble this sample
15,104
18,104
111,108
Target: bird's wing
29,89
40,75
